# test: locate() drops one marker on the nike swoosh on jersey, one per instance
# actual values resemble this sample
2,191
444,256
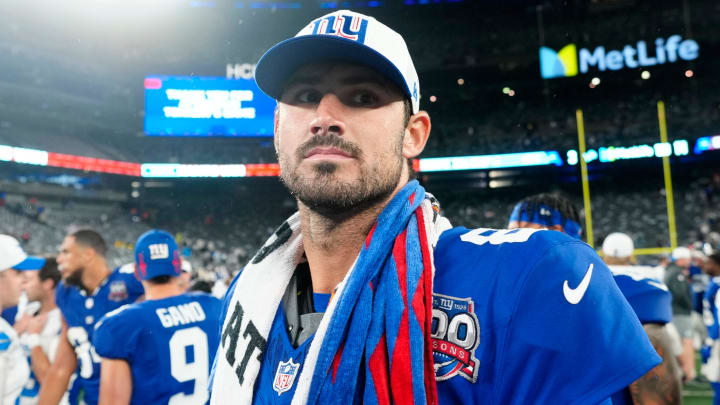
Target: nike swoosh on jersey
574,295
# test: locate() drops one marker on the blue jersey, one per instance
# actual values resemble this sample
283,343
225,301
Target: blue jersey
169,343
710,309
520,316
82,310
649,298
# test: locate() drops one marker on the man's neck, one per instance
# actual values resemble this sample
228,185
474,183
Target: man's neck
48,303
332,245
160,291
94,275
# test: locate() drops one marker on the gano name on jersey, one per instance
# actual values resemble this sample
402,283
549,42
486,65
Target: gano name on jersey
520,316
82,310
169,343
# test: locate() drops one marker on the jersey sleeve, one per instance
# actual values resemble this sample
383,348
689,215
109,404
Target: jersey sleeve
116,334
578,338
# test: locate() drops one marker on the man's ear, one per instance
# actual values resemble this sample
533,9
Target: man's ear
417,133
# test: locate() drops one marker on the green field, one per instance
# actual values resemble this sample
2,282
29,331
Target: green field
696,393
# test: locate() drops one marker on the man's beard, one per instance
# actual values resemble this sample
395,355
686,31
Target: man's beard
76,278
323,193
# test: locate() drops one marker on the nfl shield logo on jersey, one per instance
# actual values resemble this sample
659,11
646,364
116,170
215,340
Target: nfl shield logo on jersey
285,376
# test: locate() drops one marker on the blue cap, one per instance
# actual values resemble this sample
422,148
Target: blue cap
341,36
156,254
31,263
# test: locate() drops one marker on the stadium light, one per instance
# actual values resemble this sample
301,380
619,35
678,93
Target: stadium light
645,75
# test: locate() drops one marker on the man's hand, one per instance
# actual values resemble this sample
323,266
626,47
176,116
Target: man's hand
37,323
21,325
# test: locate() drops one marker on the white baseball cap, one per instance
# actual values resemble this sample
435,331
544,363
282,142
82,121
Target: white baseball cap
12,254
681,253
341,36
618,244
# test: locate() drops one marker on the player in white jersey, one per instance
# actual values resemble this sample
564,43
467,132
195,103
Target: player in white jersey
14,369
41,326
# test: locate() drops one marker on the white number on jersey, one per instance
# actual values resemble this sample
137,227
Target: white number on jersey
84,350
482,236
183,371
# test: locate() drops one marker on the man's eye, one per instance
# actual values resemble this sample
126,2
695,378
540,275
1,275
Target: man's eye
364,99
308,96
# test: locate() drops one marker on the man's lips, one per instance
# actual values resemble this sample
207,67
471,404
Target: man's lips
327,152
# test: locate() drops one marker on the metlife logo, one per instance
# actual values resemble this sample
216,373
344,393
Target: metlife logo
570,62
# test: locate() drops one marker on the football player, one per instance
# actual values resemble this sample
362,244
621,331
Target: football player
40,330
711,317
158,351
88,290
651,301
416,312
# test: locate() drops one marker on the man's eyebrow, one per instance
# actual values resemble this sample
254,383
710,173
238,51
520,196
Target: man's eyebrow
363,79
304,80
350,80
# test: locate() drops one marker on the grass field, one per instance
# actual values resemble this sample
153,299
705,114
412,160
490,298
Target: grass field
695,393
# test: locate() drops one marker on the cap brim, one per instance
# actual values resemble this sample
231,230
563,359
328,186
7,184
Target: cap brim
281,61
30,263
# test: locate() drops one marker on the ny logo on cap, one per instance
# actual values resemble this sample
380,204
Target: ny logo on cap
345,26
159,251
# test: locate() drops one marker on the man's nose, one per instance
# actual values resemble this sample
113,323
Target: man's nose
326,121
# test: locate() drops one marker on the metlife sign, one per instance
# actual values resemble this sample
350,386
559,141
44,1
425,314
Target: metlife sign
569,61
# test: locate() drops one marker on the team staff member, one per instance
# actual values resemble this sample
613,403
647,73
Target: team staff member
507,317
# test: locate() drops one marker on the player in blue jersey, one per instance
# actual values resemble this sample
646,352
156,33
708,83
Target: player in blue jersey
647,295
418,313
651,301
158,351
711,317
88,290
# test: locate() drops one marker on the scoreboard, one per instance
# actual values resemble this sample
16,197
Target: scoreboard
206,106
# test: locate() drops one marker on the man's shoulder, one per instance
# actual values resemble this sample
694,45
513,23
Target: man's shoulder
125,273
507,250
130,313
649,297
